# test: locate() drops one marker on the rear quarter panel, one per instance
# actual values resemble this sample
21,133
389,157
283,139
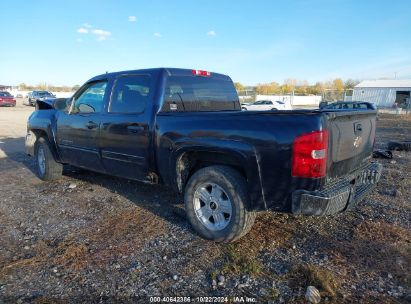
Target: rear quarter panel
262,141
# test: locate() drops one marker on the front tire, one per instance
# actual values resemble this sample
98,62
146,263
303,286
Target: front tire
46,166
215,200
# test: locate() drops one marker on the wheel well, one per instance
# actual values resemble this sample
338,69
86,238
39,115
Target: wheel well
41,133
190,162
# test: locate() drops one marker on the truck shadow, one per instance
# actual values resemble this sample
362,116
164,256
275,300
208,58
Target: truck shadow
13,149
157,199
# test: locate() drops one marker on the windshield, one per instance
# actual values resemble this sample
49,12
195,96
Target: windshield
44,94
5,94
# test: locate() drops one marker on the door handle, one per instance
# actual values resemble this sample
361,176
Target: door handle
91,125
135,128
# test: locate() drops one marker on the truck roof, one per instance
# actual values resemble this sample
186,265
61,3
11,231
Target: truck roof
169,71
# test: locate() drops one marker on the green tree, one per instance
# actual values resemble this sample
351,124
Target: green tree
317,89
338,84
239,86
350,83
287,88
271,88
77,86
23,86
42,86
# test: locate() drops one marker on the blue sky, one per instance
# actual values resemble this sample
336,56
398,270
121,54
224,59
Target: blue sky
68,42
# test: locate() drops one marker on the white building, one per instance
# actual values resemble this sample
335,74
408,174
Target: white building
294,101
384,93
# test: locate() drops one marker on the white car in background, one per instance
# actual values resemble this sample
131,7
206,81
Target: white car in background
266,105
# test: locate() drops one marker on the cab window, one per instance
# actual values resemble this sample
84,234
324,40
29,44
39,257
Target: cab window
90,99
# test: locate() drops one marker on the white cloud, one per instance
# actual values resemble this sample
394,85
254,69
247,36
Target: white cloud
211,33
101,34
132,18
82,30
158,35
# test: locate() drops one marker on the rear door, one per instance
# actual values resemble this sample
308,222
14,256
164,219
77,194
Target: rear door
78,128
125,133
352,135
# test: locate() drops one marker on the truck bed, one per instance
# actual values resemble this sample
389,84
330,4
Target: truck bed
266,139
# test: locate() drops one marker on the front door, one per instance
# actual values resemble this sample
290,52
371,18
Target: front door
78,128
124,133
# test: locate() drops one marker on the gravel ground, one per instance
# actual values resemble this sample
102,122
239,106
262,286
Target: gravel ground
94,238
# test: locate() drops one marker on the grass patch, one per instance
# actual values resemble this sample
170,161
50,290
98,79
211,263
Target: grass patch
321,278
237,262
274,293
213,274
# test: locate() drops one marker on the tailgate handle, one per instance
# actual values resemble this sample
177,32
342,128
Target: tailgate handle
357,127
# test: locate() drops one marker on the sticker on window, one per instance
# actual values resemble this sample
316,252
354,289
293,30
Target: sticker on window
173,107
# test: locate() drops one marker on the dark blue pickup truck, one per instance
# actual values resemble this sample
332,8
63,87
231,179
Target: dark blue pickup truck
185,129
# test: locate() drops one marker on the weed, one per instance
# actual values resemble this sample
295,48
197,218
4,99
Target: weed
213,274
239,262
319,277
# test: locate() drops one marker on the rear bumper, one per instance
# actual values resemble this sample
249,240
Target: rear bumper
340,195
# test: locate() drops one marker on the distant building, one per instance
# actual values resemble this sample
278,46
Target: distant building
384,93
4,87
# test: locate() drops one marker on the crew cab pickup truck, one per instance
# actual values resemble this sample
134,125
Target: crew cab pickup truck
185,129
35,96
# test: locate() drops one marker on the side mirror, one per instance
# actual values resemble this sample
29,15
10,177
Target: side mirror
61,104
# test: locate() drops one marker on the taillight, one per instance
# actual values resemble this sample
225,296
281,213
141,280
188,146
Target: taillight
201,73
310,155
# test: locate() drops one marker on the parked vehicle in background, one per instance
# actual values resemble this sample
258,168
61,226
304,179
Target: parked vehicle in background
266,105
35,96
348,105
6,99
185,129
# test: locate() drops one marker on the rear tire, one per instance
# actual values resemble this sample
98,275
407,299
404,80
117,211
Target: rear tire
46,166
215,200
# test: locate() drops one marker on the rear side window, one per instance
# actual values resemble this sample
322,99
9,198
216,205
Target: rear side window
193,93
131,94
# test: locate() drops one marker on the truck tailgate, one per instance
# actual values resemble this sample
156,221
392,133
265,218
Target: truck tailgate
352,135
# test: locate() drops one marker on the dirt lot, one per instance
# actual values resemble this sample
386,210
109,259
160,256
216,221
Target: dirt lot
90,237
